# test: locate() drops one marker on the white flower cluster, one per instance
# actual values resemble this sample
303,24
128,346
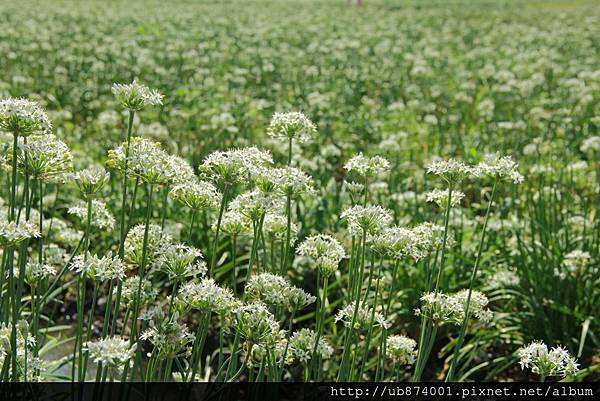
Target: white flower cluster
207,296
401,349
451,170
501,166
590,144
12,233
143,159
101,217
450,308
255,323
503,279
134,243
113,352
366,167
276,291
292,125
169,337
102,269
48,158
90,180
370,219
362,316
302,345
235,223
135,96
255,204
179,261
196,195
34,272
325,251
23,117
399,242
236,165
576,261
24,352
440,198
275,227
554,362
290,180
148,293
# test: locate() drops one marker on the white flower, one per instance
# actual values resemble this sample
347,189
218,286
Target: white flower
325,251
370,219
367,166
277,291
12,233
554,362
302,345
440,198
364,316
255,323
180,261
91,180
145,160
207,296
503,279
444,308
135,97
96,268
236,165
23,117
292,125
451,170
101,217
576,261
590,144
501,166
401,349
113,352
196,195
47,157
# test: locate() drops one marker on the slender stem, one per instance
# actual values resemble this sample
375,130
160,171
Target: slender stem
213,256
445,237
288,212
192,220
136,306
463,328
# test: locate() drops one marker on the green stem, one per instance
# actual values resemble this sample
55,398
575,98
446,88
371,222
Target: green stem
463,329
213,256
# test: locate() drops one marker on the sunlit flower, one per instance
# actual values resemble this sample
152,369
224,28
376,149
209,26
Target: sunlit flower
500,166
554,362
179,261
292,125
23,117
370,219
364,166
444,308
364,315
207,296
401,349
113,353
196,195
325,252
101,217
440,198
135,97
46,158
12,233
91,180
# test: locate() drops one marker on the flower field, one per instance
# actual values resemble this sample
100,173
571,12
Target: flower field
300,191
